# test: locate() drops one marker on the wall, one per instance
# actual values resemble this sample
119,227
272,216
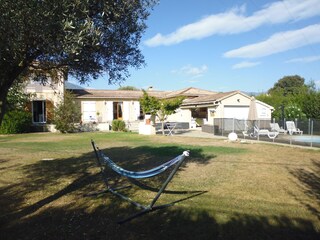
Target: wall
53,92
239,104
264,112
130,111
50,94
182,115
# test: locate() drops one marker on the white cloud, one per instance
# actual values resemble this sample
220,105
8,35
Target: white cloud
278,42
304,59
234,21
245,65
192,71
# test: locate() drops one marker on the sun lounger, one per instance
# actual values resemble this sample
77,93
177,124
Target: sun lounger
265,132
275,127
292,129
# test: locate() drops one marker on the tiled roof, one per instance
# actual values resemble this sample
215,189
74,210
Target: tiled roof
111,94
193,95
189,92
208,99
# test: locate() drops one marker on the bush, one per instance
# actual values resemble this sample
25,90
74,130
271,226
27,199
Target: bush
16,121
67,114
118,125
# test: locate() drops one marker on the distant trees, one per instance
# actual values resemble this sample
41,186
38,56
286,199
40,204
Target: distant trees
293,98
128,88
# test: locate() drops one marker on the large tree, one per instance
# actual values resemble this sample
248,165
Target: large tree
292,98
86,38
289,85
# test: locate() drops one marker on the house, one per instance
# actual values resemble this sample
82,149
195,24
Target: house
45,97
103,106
234,104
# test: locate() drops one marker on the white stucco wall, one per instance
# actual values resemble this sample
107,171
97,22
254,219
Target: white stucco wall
51,91
237,106
182,115
130,109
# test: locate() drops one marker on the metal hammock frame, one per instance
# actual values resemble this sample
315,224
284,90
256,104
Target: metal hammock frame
104,160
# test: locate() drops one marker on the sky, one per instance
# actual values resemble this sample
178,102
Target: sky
227,45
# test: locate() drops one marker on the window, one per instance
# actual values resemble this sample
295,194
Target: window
199,112
89,111
39,111
117,110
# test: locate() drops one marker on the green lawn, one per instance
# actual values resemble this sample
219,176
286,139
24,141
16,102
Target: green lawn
249,191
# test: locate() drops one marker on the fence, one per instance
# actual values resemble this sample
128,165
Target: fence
307,132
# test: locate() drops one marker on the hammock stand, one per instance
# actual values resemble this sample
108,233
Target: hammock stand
103,160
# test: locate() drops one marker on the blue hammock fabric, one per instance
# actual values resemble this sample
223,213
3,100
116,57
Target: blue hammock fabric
103,161
142,174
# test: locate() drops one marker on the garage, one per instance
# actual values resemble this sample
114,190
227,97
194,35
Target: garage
237,112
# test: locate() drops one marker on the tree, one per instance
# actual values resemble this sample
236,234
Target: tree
289,85
67,114
149,104
128,88
16,119
292,98
82,38
311,104
160,108
17,98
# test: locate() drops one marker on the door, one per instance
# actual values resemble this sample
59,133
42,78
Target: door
237,112
117,110
39,111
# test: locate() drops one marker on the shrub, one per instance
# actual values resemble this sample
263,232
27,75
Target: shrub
67,114
16,121
118,125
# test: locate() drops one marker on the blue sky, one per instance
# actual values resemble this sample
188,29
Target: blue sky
227,45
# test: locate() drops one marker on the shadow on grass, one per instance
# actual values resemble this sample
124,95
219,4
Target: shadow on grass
59,177
310,180
176,223
60,211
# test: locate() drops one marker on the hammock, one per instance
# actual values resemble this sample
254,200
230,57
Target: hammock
102,160
142,174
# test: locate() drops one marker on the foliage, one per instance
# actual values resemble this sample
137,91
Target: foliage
168,107
118,125
293,111
292,98
128,88
16,121
67,114
160,108
149,104
311,105
82,38
289,85
17,98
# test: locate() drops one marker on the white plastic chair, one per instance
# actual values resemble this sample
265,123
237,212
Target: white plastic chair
275,127
291,127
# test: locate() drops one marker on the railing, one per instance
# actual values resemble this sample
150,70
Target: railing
307,130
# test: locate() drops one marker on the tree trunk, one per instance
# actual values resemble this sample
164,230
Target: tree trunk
162,127
3,102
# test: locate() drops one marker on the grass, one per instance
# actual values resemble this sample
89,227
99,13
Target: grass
251,191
